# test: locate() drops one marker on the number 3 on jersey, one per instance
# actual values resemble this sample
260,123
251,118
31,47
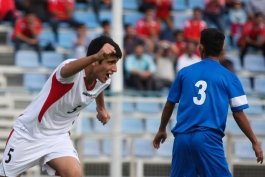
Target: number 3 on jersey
201,92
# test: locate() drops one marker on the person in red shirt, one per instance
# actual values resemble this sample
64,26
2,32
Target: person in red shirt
8,11
147,27
61,11
27,30
180,43
253,35
193,27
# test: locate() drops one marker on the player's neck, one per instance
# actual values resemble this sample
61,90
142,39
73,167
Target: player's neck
90,76
212,58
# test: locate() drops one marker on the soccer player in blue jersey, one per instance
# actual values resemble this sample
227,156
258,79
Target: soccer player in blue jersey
204,91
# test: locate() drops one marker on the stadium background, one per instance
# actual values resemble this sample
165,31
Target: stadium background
136,116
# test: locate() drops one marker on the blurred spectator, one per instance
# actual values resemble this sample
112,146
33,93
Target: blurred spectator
180,43
193,27
8,11
237,17
38,7
81,42
228,64
97,4
140,69
27,30
254,6
61,11
106,28
252,35
165,60
189,57
163,11
214,13
147,27
130,40
167,34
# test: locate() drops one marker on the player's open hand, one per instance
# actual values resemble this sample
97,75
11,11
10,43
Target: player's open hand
103,115
258,152
105,51
160,137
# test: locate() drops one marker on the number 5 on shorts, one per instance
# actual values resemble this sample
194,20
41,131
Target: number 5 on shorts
9,155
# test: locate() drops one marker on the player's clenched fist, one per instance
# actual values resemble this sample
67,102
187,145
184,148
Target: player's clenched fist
105,51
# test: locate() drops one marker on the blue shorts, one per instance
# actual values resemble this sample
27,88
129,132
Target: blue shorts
199,153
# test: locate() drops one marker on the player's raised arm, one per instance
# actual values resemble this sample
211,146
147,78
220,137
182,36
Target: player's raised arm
74,67
244,125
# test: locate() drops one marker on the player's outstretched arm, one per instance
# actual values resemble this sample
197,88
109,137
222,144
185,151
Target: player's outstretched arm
244,125
162,134
74,67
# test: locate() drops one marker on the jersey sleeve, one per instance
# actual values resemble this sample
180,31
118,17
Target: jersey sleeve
237,98
58,73
175,90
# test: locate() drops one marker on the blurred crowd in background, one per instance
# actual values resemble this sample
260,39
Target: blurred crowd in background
154,49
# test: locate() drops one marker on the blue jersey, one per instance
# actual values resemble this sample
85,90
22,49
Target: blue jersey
204,91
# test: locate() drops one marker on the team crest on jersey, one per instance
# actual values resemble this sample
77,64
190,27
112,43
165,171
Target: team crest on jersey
90,95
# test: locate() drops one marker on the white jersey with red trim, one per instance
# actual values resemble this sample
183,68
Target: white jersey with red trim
59,103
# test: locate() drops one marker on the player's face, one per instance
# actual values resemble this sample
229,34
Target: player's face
106,68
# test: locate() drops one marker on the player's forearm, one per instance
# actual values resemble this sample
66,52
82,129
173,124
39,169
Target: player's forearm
244,125
167,112
75,66
100,100
23,37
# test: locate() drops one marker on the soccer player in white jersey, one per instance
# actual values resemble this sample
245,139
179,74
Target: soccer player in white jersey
40,135
204,91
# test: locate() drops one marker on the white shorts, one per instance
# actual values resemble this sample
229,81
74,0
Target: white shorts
23,152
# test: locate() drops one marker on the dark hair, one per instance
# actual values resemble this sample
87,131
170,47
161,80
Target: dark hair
258,14
177,32
29,12
105,23
97,43
126,26
213,41
197,9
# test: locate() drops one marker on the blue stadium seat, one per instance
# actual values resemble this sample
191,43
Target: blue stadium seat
92,107
259,84
34,81
64,25
254,110
132,125
129,5
258,126
81,6
173,123
107,148
51,59
87,18
243,150
132,18
148,107
254,63
107,15
143,148
236,61
86,125
232,127
180,19
98,127
27,59
263,146
152,125
66,39
128,107
179,5
46,37
245,81
196,3
165,149
91,147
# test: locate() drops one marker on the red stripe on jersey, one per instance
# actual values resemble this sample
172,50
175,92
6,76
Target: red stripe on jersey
9,136
58,90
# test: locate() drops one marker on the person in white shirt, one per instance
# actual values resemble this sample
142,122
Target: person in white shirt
41,133
188,58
